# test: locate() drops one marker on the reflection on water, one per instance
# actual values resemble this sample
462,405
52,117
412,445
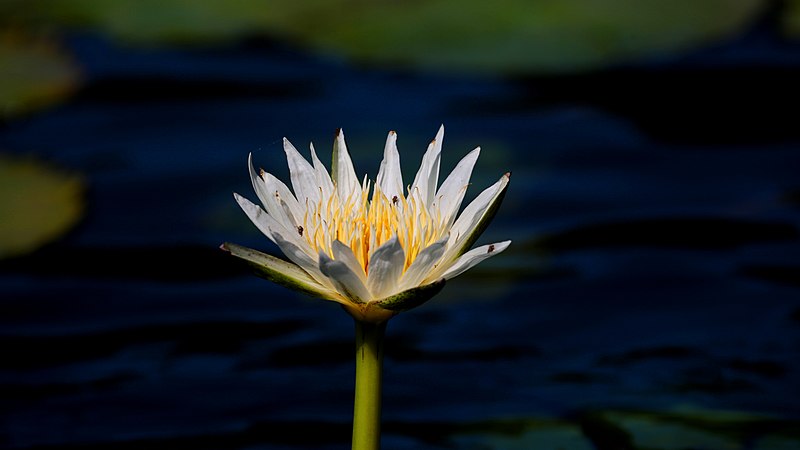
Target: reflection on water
649,299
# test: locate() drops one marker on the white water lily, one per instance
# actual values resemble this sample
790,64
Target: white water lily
367,245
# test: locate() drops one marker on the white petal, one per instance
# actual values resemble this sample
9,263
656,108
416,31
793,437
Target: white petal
282,272
342,171
474,215
299,256
449,197
343,279
273,228
274,205
304,179
257,215
428,175
390,179
290,214
423,263
343,253
473,257
385,267
323,178
258,182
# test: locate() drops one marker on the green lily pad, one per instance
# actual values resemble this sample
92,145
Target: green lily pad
38,204
520,36
554,436
683,428
698,428
513,36
34,73
791,18
151,21
653,432
777,443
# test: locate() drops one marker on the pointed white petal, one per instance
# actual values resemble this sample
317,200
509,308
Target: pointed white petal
286,209
274,205
323,178
257,215
427,177
343,253
473,257
423,263
343,279
475,218
304,179
451,193
385,268
258,182
282,272
342,171
272,228
390,179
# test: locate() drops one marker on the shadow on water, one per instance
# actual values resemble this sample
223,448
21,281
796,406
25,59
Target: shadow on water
167,264
709,233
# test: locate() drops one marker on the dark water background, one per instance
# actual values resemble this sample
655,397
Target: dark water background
650,298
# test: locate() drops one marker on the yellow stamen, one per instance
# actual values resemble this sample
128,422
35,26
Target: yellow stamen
365,223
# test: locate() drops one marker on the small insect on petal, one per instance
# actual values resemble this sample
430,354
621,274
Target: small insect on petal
395,199
300,230
491,247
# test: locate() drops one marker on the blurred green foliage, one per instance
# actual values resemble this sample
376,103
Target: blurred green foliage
38,204
150,21
646,430
34,73
511,36
791,18
520,36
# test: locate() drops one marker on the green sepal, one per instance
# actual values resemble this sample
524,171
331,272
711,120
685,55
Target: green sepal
278,271
411,298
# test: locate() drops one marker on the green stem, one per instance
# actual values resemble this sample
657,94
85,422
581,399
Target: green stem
367,410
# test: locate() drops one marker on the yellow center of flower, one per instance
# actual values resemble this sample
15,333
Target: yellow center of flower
364,224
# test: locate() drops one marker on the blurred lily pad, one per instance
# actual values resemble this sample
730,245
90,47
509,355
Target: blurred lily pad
791,18
649,431
152,21
520,36
34,73
680,429
512,36
37,204
698,428
777,443
541,436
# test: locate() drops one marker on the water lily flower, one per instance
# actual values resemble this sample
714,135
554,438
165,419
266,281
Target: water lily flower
369,246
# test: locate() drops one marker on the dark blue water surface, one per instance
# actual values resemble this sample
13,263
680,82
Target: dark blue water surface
654,271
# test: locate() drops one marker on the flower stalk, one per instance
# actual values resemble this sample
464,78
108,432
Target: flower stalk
377,247
369,365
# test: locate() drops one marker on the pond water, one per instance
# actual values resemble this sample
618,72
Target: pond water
650,298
